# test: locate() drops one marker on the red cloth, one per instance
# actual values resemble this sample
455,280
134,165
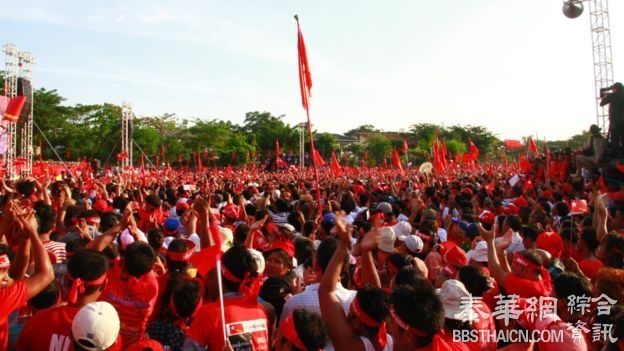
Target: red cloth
486,322
305,77
49,329
12,297
446,344
134,299
145,223
245,323
590,267
528,288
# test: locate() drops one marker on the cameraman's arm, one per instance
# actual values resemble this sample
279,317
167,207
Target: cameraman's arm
606,99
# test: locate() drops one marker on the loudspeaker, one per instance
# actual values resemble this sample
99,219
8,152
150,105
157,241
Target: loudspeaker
24,88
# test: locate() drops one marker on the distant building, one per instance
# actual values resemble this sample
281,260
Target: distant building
344,141
363,137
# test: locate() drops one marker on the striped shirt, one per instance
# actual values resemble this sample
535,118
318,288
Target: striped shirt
57,249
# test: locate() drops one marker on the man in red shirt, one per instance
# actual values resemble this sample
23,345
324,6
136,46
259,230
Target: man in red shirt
85,280
132,289
151,214
14,294
245,322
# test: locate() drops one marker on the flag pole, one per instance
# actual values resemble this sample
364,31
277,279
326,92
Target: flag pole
316,176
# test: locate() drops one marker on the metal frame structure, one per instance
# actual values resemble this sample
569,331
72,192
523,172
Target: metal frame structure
126,134
603,63
18,64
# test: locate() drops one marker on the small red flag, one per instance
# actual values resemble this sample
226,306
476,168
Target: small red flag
305,77
163,152
405,147
474,151
533,147
14,109
318,159
335,166
396,161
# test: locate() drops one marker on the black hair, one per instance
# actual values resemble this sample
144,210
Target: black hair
240,233
287,261
530,232
294,220
311,329
111,252
186,295
139,258
240,262
374,302
304,249
474,279
410,276
419,308
590,239
274,290
569,283
562,209
155,238
514,223
613,249
46,298
178,245
251,210
87,265
399,260
308,228
108,220
281,205
25,187
347,204
46,217
77,244
325,251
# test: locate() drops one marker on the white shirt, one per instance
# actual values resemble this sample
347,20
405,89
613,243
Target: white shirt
309,301
368,345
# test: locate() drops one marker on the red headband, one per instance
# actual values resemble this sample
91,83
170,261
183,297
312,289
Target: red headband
182,256
78,286
184,320
92,220
437,342
449,271
382,337
249,286
290,333
521,260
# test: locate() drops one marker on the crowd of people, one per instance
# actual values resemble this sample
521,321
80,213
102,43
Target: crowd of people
471,258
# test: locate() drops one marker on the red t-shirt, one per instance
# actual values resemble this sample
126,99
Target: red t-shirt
528,288
486,322
447,345
246,326
11,298
49,329
134,300
145,223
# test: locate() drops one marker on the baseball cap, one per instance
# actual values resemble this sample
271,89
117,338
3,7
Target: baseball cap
287,227
101,206
146,344
487,217
550,242
451,294
227,238
471,229
386,240
384,207
329,220
455,256
479,253
402,228
96,326
412,242
257,256
182,206
171,224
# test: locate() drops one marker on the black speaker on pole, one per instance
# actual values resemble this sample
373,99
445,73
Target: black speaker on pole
24,88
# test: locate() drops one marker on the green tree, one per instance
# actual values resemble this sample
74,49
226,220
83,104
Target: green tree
378,148
363,128
263,129
325,143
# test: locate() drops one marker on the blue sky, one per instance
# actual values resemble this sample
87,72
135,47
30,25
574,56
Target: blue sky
518,67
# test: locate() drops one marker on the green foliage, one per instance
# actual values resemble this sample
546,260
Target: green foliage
325,143
363,128
378,148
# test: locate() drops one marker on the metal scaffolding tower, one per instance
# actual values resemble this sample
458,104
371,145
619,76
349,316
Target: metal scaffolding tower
601,49
126,134
18,64
302,129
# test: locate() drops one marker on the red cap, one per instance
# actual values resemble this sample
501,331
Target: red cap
550,242
547,194
512,210
466,190
286,246
487,217
445,246
521,202
148,344
182,206
5,263
455,256
101,206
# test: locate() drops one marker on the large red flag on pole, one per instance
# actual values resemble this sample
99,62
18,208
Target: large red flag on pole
533,147
335,166
305,85
396,161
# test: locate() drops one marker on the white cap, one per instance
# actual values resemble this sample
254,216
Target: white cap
195,239
479,253
386,240
451,294
96,326
412,242
227,238
402,228
257,255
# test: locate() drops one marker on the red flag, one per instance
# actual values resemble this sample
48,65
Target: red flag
163,152
14,109
533,147
474,151
180,160
200,166
335,166
278,156
318,159
512,144
305,77
365,155
405,147
143,165
396,161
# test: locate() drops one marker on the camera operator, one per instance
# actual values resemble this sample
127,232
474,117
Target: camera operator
615,99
